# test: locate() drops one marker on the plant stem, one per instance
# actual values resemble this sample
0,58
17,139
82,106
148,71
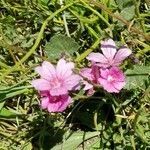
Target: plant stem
92,31
64,19
38,40
3,65
136,3
95,12
84,19
88,51
133,29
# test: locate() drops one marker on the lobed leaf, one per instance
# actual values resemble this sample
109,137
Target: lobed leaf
60,44
74,140
137,77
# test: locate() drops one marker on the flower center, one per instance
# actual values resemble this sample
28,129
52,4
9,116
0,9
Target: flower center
110,78
55,98
56,83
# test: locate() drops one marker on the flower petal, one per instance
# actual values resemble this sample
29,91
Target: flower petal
104,73
109,87
87,85
60,104
46,71
44,102
117,74
86,72
90,92
112,80
72,81
64,69
41,84
97,57
119,85
58,91
95,72
109,49
122,54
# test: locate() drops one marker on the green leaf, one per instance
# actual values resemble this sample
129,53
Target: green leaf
137,76
146,97
128,12
10,92
74,140
8,113
27,146
60,44
95,145
140,132
2,104
43,1
123,3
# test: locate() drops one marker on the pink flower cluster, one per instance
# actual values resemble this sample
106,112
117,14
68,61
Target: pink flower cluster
107,72
56,82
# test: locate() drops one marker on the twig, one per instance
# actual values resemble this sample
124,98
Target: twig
64,19
127,23
38,40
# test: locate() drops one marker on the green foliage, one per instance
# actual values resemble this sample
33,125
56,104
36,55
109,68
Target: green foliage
60,44
27,146
10,92
128,12
7,113
123,4
37,30
137,77
73,140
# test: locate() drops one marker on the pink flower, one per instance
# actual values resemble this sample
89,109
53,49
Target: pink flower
86,72
110,56
54,103
92,74
112,80
56,80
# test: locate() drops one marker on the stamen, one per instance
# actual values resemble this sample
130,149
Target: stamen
110,78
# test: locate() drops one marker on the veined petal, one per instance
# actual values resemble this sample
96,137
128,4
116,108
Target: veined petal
87,85
44,102
97,57
101,65
119,85
109,49
64,69
104,73
86,72
90,92
117,74
60,104
48,68
72,81
109,87
59,91
43,73
41,84
46,71
112,80
96,72
122,54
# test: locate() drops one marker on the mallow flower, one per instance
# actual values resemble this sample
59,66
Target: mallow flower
110,57
92,75
55,84
112,79
57,80
54,103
